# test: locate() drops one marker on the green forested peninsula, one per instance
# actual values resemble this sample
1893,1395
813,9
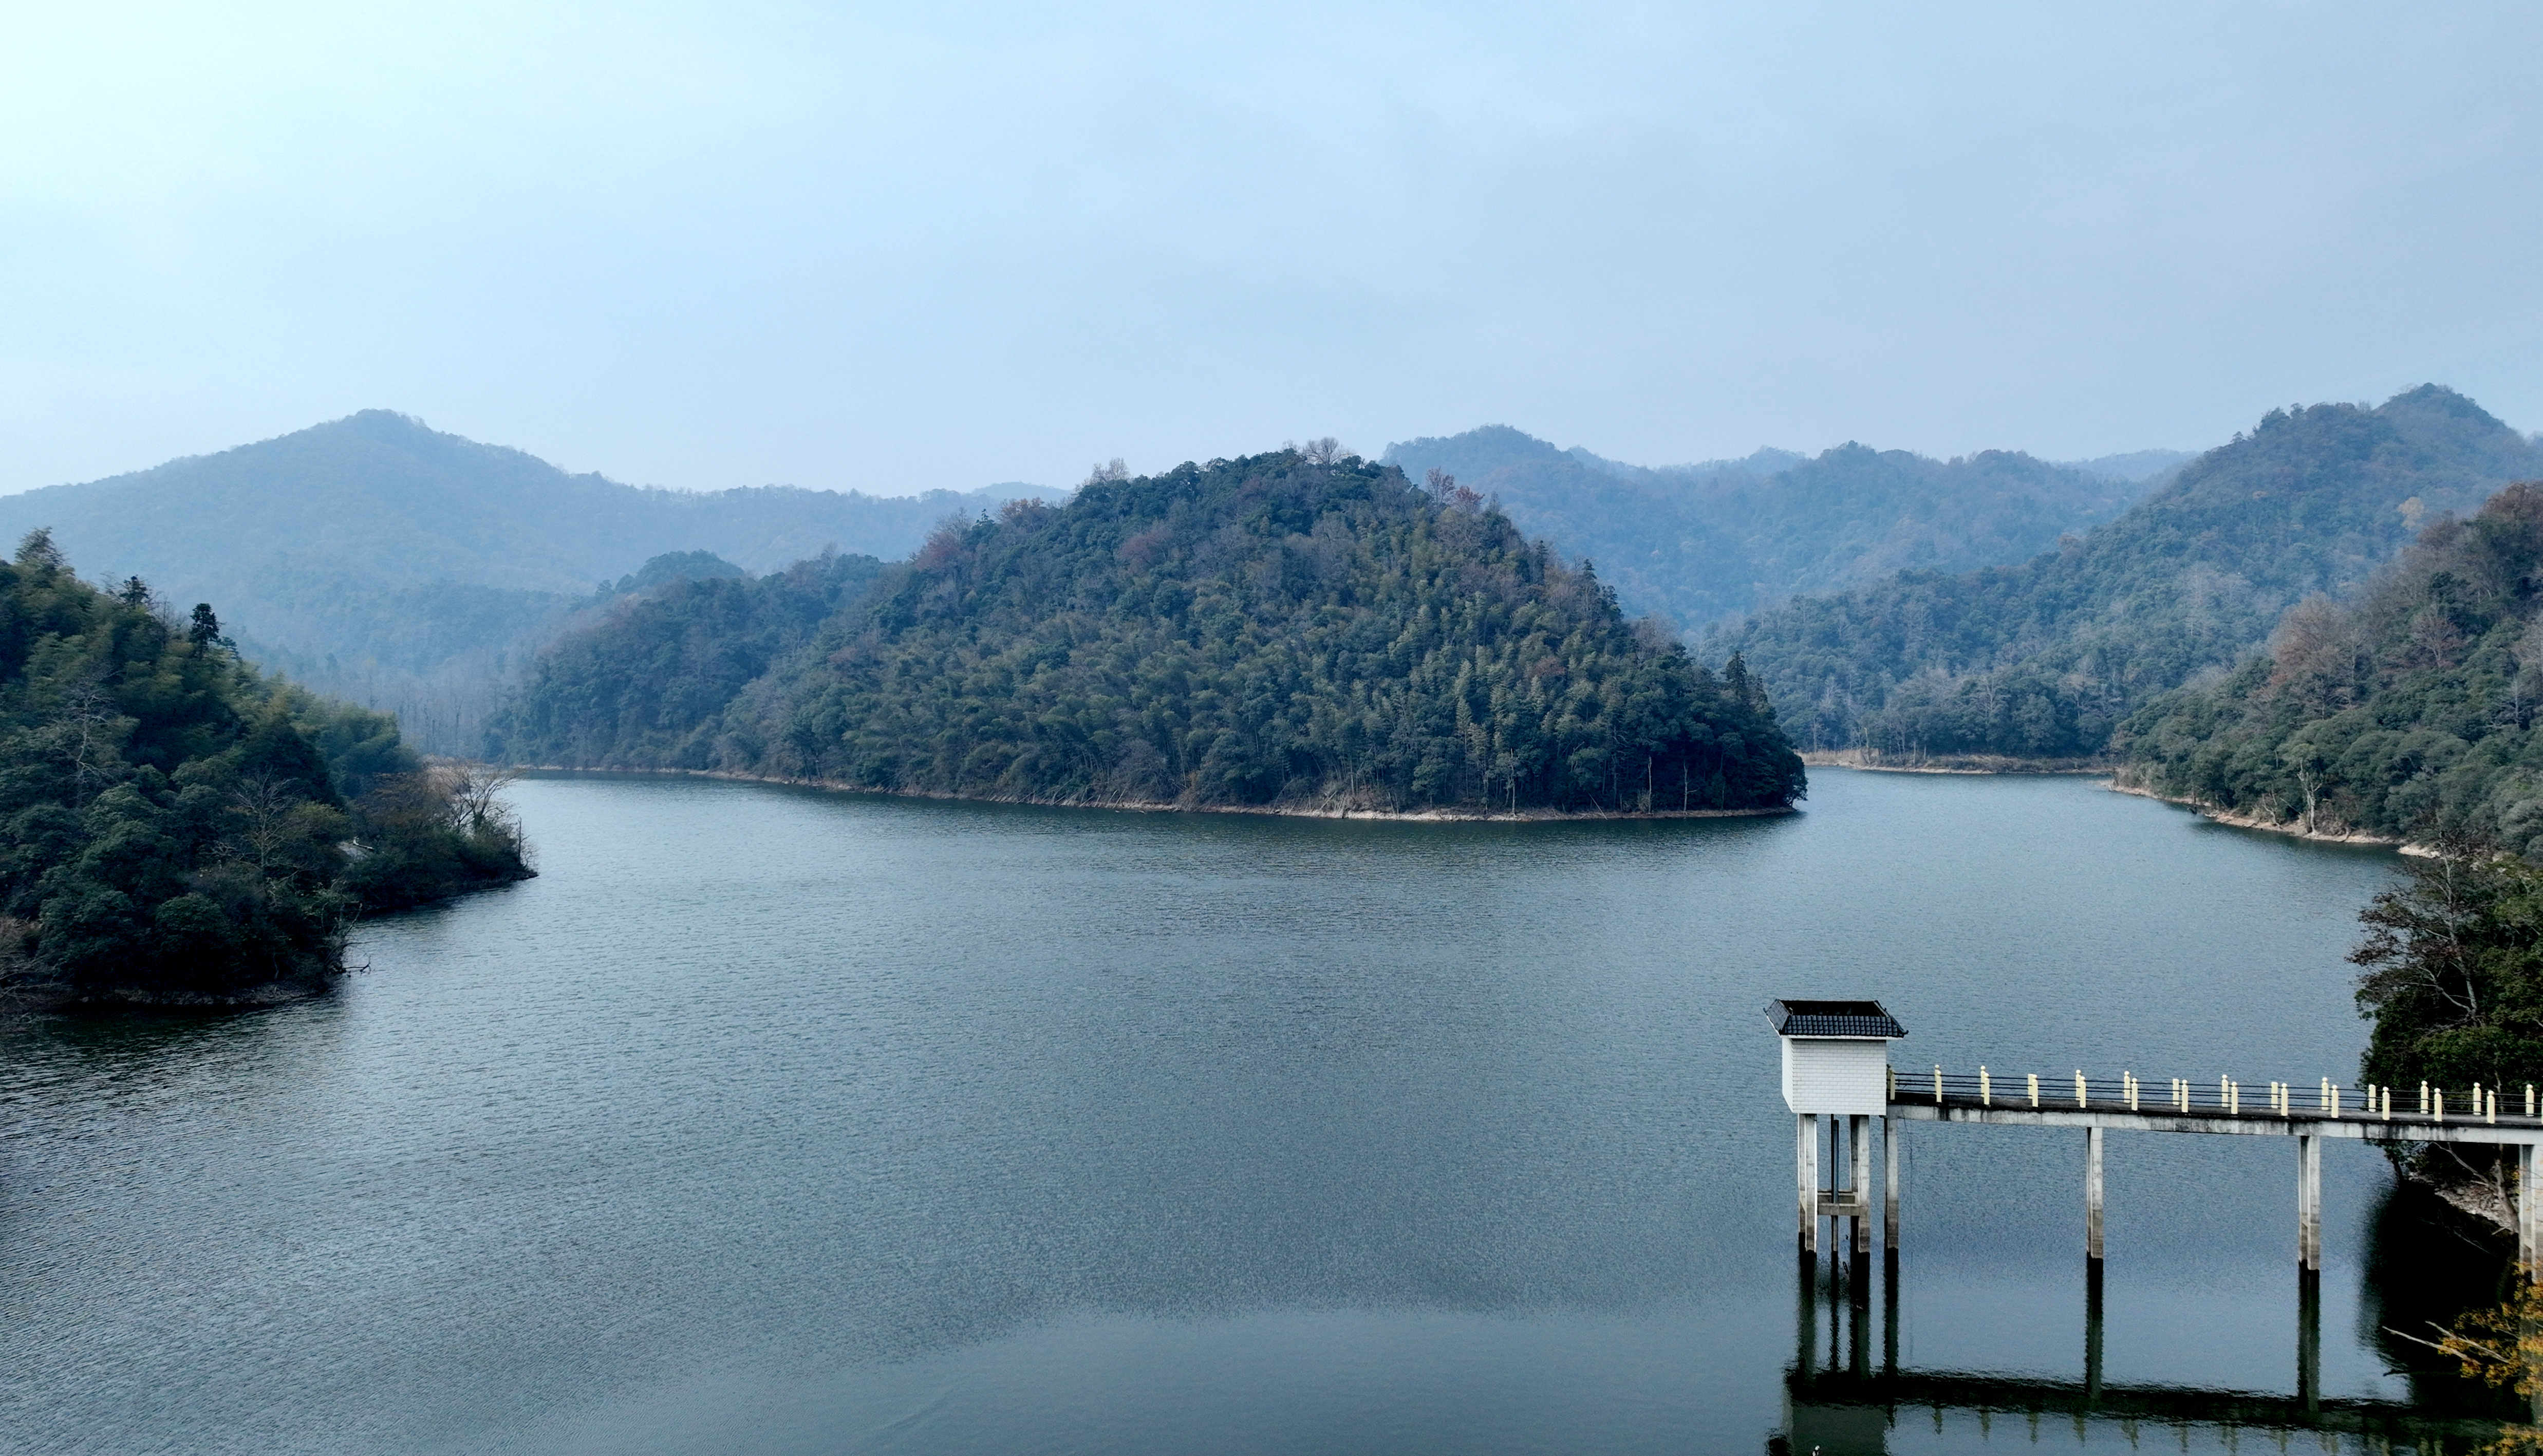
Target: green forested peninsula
176,828
2044,658
2409,713
1287,629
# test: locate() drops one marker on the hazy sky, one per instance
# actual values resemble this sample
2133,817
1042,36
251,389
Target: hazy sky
936,244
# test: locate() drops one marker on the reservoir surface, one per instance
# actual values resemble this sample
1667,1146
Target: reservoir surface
776,1120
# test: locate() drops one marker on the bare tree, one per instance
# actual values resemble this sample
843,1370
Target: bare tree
92,730
1111,470
265,804
1325,450
475,794
1444,488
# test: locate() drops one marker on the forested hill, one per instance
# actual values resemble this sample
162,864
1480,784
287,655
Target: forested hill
1700,543
2407,714
1276,631
2045,657
174,826
377,558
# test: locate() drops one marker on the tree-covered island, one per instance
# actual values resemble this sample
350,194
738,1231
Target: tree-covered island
1301,630
176,828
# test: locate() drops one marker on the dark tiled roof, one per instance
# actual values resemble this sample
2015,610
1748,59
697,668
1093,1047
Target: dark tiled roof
1832,1019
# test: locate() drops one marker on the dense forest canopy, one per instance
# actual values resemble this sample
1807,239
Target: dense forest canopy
2044,658
375,558
1699,543
648,682
1292,629
2408,711
174,826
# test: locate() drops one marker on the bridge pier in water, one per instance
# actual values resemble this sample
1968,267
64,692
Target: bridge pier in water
1836,1065
1838,1078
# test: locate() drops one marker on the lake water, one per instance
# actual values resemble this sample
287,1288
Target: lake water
777,1120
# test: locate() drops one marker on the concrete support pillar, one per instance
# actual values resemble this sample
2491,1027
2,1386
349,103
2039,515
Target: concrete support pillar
1805,1169
2529,1213
2309,1203
1858,1175
2093,1195
1890,1186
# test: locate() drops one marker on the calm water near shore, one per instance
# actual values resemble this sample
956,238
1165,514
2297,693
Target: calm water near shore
776,1120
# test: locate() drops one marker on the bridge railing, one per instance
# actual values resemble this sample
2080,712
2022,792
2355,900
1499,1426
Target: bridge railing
2214,1097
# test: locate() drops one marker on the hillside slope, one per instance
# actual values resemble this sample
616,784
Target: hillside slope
175,827
1260,633
2043,659
2407,714
410,569
1702,543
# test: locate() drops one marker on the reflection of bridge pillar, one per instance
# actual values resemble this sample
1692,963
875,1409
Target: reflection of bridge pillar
2092,1332
1825,1411
2309,1337
1858,1317
1806,1318
1890,1314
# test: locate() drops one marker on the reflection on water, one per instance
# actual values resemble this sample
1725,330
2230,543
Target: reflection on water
1845,1396
785,1121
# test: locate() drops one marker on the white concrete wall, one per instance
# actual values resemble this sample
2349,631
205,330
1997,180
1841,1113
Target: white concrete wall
1828,1074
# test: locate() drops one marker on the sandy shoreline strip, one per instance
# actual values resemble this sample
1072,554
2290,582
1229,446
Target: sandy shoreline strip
1151,806
2287,827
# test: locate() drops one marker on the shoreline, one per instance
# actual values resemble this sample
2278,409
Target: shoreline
2288,828
1155,806
46,1000
1870,762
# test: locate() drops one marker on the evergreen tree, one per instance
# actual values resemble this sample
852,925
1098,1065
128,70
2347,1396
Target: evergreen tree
174,826
204,631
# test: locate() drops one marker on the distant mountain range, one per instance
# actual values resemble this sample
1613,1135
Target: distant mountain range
2043,659
1697,544
375,558
378,560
